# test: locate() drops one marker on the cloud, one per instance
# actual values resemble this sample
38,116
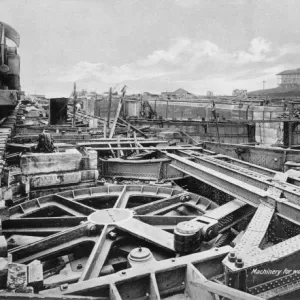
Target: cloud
187,3
183,54
258,50
190,60
85,70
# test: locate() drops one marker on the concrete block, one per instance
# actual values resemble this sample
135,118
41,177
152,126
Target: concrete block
6,193
60,179
35,275
46,180
3,272
16,276
89,161
89,175
93,159
38,163
3,246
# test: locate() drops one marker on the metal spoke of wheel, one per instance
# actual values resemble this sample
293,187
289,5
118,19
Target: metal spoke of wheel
52,244
40,226
148,233
98,256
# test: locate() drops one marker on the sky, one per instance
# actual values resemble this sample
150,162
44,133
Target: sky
153,45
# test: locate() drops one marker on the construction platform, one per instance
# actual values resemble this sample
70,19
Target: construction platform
113,212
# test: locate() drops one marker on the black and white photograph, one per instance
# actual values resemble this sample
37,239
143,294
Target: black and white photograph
149,150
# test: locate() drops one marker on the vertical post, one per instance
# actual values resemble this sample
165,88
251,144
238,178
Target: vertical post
128,130
216,119
74,104
167,110
117,113
118,151
155,109
290,130
214,113
136,142
173,111
109,107
291,111
104,130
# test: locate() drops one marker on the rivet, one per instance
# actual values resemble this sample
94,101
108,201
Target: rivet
239,263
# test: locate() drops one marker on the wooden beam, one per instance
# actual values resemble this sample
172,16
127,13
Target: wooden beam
134,128
112,131
109,107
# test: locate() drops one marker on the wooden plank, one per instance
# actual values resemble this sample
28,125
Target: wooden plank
116,118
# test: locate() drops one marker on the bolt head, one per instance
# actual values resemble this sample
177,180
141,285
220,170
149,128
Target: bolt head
231,257
239,263
112,235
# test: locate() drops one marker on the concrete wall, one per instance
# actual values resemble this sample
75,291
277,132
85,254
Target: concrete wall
268,133
101,108
88,105
198,110
229,133
271,158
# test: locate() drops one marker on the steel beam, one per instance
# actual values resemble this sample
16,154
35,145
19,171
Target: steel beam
160,278
235,187
151,169
259,269
242,184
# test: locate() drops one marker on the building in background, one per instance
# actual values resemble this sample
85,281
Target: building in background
289,78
